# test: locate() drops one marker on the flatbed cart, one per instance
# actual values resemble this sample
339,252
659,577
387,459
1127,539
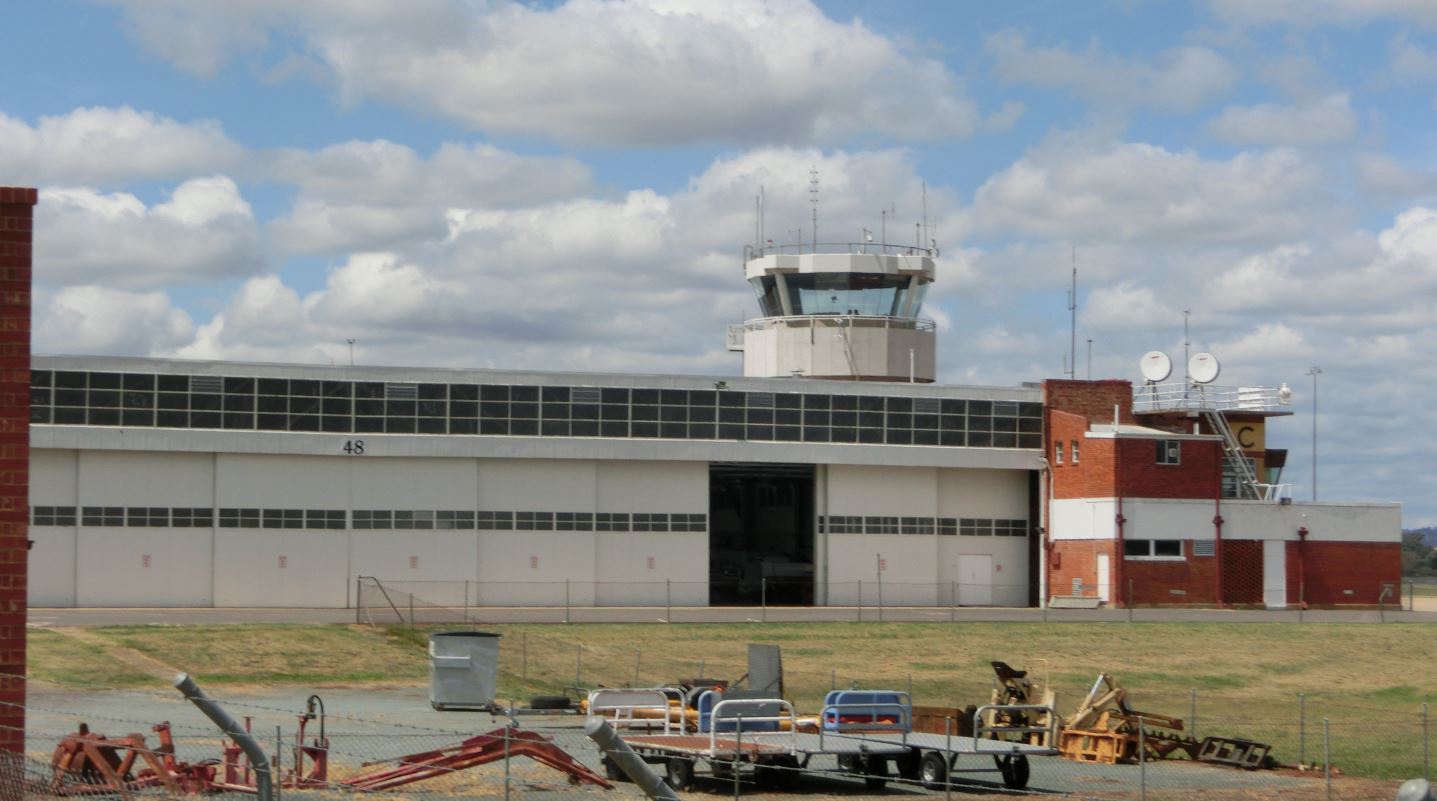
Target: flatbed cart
862,739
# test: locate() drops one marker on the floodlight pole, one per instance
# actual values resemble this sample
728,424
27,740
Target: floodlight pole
1314,371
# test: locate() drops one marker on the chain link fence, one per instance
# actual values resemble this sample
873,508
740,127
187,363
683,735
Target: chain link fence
389,740
385,602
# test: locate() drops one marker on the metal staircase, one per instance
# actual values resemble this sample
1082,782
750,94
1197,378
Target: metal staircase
1247,483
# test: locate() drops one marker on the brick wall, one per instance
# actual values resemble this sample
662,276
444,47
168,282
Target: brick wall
1334,568
16,226
1091,399
1198,475
1192,580
1070,559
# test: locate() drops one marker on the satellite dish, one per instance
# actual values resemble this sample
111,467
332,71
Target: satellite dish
1203,368
1156,366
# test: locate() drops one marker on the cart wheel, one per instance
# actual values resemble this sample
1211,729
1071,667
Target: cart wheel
875,772
612,772
850,763
679,772
908,764
781,772
934,770
1015,770
437,706
549,702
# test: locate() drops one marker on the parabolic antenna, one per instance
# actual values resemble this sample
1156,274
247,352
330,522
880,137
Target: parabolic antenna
1203,368
1156,366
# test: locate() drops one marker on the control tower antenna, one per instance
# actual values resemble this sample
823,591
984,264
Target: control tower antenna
761,205
1073,320
813,199
925,213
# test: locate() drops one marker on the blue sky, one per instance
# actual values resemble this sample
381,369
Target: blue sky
568,185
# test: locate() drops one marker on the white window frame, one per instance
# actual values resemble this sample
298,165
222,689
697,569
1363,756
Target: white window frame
1171,453
1152,555
1057,451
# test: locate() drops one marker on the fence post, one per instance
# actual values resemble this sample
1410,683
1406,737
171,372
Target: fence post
1327,754
860,600
1192,712
638,655
879,565
1130,602
763,599
947,751
1426,768
953,603
466,600
1142,761
1301,728
737,752
524,656
1301,599
507,731
279,764
411,610
668,601
358,601
566,600
578,665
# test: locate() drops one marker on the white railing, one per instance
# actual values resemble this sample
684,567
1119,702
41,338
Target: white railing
858,248
1181,397
836,320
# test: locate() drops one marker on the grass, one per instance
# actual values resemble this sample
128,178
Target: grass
1368,680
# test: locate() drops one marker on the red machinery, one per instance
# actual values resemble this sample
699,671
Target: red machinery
85,763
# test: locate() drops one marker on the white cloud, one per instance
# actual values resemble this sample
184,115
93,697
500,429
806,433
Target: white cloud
204,231
1132,192
98,320
105,146
1126,307
590,72
1181,79
1322,121
1385,175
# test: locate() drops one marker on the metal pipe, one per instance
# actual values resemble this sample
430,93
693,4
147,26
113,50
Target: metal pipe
612,746
263,780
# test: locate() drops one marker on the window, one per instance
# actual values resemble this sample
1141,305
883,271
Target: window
1152,549
1057,452
1075,451
1170,451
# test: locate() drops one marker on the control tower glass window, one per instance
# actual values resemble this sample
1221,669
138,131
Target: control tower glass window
868,294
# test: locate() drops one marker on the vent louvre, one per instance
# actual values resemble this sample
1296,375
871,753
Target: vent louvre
207,383
401,391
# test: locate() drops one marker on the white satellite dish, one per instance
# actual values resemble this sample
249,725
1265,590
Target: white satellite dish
1156,366
1203,368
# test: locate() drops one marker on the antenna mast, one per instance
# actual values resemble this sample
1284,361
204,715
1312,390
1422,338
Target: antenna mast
813,199
925,213
1187,372
1073,320
761,204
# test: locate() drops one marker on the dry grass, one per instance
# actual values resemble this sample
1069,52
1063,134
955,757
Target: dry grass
1369,680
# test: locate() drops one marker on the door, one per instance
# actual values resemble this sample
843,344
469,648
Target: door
1274,574
1105,581
975,580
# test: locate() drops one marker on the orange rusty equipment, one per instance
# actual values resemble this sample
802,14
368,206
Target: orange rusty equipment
476,751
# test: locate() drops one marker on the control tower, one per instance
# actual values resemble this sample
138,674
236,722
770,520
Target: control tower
838,312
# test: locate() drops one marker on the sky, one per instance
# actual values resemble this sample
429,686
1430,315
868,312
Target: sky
569,185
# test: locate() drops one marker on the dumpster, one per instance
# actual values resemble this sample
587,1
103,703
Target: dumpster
463,669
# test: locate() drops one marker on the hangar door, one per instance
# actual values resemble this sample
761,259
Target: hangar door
760,534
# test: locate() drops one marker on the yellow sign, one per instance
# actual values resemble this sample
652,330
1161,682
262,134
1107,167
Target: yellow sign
1250,436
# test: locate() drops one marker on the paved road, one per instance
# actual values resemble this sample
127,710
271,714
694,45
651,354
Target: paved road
120,617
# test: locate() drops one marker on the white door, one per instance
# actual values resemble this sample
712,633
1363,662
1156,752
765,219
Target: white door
1105,581
975,580
1274,574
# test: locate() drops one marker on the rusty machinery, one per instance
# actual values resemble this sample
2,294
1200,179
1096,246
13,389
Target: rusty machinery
1105,728
86,763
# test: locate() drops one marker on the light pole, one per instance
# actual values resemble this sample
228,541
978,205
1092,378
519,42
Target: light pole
1314,371
351,351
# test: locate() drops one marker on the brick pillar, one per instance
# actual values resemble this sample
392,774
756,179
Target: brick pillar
16,226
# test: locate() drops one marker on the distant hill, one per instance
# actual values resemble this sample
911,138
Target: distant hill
1429,535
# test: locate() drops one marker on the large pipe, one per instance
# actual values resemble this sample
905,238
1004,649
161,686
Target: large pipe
264,787
617,751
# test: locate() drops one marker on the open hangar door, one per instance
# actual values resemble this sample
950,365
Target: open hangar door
761,534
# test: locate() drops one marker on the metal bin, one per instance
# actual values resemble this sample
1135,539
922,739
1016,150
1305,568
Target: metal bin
463,669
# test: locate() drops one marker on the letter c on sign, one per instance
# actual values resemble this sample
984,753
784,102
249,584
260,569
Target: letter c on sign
1244,437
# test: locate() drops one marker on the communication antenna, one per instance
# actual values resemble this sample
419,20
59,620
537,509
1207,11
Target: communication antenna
813,199
1155,366
761,208
1203,368
924,238
1073,320
1187,362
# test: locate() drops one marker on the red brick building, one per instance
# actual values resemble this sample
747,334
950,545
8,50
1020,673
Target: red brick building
1147,503
16,226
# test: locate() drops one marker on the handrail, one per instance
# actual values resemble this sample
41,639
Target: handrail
1179,396
843,320
858,248
980,728
621,714
740,720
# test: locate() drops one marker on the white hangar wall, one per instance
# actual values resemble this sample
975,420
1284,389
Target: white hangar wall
926,569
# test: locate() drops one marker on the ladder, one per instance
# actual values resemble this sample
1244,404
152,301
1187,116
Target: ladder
1247,485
